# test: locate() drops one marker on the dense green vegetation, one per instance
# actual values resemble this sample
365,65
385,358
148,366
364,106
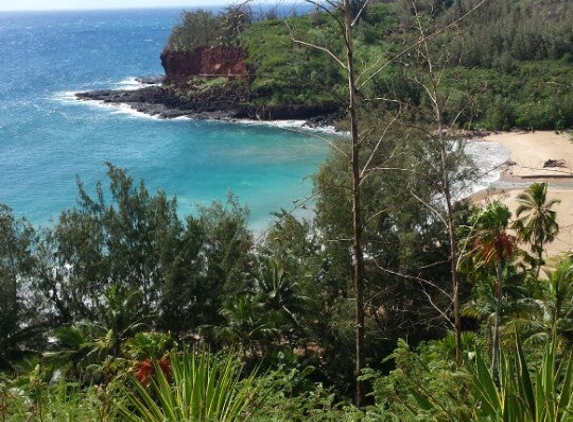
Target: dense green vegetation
123,310
121,291
508,65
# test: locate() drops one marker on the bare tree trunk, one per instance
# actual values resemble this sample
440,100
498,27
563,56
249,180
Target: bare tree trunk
495,349
357,243
357,250
446,188
454,252
451,225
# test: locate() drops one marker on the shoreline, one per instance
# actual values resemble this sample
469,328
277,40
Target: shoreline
540,156
303,126
232,105
534,156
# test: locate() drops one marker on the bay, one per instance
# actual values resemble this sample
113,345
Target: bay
47,138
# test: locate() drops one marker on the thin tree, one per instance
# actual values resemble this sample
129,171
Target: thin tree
447,175
347,63
352,12
452,168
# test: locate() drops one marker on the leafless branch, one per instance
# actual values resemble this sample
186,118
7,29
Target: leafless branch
436,307
319,136
380,139
436,212
415,278
359,14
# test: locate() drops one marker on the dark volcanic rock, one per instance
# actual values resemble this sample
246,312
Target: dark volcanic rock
225,102
231,100
151,80
554,163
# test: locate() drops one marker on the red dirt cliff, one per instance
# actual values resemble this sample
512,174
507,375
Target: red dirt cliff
204,61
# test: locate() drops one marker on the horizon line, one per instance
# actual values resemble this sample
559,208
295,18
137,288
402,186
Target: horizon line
206,5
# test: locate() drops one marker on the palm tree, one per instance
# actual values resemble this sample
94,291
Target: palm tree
247,325
536,222
482,305
492,248
123,316
91,342
551,311
279,293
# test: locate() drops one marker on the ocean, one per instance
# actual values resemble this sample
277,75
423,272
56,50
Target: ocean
48,139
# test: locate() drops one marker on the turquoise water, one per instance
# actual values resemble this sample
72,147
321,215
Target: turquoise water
47,138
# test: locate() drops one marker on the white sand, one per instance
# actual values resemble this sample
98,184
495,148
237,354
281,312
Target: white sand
529,152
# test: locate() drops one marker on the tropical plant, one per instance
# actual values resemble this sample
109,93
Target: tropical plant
522,393
481,306
424,385
87,348
492,247
247,324
145,345
536,222
200,387
547,396
43,395
279,293
550,308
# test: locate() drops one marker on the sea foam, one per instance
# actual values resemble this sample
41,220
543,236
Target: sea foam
489,159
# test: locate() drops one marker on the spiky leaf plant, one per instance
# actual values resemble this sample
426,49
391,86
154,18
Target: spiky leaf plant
199,387
542,395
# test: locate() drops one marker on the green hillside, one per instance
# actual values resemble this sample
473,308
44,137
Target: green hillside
505,65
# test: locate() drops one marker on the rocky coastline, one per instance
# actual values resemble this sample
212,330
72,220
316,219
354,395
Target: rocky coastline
228,102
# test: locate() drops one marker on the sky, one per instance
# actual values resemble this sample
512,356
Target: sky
21,5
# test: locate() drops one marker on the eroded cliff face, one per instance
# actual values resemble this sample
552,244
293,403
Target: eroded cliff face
233,100
204,62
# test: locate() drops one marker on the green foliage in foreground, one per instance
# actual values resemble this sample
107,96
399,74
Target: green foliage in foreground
427,387
290,316
546,395
196,387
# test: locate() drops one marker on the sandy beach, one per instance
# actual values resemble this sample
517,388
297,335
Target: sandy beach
539,157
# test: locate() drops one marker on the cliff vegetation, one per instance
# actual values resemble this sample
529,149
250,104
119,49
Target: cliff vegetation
509,63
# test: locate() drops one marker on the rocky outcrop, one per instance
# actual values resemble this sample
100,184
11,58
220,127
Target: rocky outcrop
232,99
204,62
225,102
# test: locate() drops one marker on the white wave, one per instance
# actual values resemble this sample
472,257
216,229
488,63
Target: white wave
120,108
127,84
288,124
489,159
65,96
116,108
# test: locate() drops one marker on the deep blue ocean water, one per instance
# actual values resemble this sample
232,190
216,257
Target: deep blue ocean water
47,138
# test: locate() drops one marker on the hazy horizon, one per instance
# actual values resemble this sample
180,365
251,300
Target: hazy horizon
62,5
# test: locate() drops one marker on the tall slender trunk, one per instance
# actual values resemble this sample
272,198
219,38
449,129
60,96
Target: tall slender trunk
495,351
539,260
446,186
357,251
455,286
